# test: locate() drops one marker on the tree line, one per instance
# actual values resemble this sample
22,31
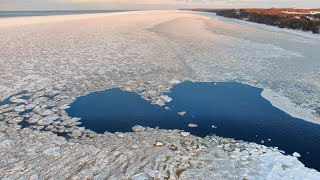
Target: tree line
304,23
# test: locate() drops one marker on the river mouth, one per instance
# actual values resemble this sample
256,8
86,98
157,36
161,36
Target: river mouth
227,109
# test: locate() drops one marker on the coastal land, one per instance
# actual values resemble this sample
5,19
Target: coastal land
49,61
291,18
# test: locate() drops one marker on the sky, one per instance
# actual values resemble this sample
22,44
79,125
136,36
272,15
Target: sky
18,5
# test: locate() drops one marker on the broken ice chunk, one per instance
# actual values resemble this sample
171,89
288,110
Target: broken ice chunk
182,113
175,81
295,154
193,125
159,143
55,151
64,107
140,176
185,134
16,100
30,106
138,128
166,98
20,108
162,100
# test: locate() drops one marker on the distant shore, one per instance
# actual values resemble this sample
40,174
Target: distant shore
297,19
10,14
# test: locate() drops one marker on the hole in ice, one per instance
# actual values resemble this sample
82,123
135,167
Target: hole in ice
226,109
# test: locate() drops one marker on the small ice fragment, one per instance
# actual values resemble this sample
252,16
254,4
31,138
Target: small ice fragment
175,82
135,146
295,154
159,143
46,112
214,127
185,134
120,135
159,102
20,108
167,108
81,128
51,117
166,98
182,113
30,106
215,84
16,100
34,118
54,151
262,141
140,176
269,139
138,128
193,125
64,107
233,156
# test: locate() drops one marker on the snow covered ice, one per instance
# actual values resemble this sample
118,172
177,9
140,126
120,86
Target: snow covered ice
55,59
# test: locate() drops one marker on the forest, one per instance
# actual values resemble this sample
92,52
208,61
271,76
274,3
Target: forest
283,18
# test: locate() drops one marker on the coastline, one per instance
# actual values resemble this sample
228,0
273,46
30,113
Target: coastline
281,18
262,26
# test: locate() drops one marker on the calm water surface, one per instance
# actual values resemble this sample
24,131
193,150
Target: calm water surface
238,111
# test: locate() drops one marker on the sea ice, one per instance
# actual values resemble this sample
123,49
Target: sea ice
185,134
55,59
166,98
182,113
295,154
193,125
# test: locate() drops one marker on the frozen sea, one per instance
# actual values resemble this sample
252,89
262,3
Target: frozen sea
47,62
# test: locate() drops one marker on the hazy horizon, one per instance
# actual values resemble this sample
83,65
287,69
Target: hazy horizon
46,5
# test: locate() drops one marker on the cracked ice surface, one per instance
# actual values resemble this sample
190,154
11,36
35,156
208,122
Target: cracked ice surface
46,62
46,155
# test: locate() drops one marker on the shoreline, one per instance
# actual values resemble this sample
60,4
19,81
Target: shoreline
263,26
280,18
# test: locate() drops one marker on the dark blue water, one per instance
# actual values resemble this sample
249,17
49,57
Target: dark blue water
237,110
52,13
